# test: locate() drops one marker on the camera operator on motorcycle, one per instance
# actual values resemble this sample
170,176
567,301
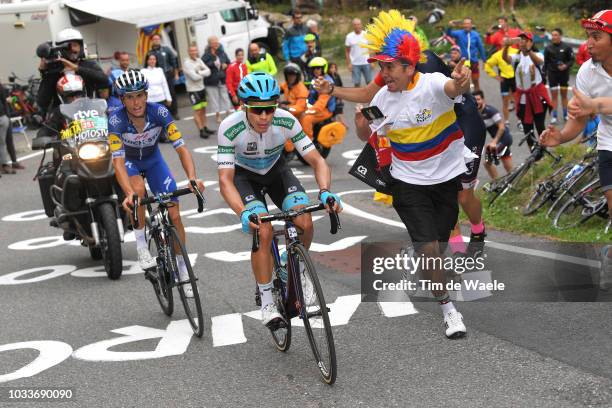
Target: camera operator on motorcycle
69,87
66,55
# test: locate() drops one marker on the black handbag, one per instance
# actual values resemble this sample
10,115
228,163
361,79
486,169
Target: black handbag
367,169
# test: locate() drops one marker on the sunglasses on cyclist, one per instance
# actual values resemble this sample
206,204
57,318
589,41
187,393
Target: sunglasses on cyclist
258,109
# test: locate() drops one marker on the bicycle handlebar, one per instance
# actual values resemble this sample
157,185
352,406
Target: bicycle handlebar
334,219
166,197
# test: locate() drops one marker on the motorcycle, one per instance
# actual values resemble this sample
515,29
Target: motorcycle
79,192
22,100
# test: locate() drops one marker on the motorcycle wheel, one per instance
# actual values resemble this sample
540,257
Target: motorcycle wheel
110,241
95,253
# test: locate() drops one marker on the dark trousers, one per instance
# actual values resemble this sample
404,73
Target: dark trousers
10,145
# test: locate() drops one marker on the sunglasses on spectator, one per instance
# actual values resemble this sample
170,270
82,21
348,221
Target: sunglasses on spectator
259,109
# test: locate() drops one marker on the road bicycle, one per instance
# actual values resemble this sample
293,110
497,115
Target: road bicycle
502,185
288,292
587,203
165,243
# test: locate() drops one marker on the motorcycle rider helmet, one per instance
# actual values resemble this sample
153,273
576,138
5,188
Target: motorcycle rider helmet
70,84
131,81
318,62
258,86
292,68
68,35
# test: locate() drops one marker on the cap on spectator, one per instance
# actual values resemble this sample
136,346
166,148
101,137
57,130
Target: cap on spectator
601,21
527,35
310,37
455,48
392,37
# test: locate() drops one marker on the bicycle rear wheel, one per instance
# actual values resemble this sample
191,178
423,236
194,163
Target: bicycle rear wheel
315,317
581,207
192,305
162,278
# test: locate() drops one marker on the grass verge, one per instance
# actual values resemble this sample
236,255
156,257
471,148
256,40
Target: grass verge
506,213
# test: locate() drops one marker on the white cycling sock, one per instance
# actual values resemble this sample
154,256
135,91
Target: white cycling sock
447,307
266,293
141,241
182,268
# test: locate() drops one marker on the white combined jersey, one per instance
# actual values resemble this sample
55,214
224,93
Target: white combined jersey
593,81
239,144
426,142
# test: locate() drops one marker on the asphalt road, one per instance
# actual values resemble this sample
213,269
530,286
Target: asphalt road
111,344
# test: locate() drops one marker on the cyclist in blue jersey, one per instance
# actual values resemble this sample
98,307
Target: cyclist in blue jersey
251,165
134,133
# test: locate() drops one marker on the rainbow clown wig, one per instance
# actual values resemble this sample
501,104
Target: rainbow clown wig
392,37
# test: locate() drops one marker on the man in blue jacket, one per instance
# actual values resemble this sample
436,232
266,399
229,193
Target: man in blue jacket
293,42
471,46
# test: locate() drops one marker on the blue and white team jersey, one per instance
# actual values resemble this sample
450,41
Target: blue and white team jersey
240,144
126,141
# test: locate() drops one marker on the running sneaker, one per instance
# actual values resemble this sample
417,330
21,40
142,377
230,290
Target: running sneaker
454,325
553,120
476,246
270,315
605,273
145,260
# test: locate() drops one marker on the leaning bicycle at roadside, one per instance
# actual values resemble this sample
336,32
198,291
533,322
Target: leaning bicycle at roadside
251,165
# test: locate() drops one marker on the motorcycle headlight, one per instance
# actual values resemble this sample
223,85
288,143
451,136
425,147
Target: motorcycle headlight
92,151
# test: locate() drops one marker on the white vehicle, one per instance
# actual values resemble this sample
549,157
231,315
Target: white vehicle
113,25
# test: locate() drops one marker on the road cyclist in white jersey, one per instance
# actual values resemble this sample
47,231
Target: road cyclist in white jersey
250,163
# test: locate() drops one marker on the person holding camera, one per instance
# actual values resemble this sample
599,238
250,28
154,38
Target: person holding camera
66,55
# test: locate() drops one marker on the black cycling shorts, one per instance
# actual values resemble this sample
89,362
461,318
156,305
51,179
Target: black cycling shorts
605,169
558,78
428,212
507,85
280,184
475,136
198,99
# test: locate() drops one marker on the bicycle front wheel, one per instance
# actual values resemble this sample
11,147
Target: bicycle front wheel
580,208
315,315
191,304
162,279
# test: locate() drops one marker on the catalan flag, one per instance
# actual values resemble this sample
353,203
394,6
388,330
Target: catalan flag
144,40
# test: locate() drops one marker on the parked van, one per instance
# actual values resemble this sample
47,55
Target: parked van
113,25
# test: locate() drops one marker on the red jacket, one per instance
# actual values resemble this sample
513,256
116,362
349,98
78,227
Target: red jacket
583,54
497,38
234,73
533,98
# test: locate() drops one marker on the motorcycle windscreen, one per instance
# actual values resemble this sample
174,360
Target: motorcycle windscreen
87,121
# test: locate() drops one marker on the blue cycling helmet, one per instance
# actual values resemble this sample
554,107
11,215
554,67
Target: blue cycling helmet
131,81
258,86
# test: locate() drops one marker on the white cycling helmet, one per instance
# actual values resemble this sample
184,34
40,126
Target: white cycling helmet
68,34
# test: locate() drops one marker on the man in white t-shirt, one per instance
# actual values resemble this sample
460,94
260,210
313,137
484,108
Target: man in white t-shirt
356,55
428,150
594,80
